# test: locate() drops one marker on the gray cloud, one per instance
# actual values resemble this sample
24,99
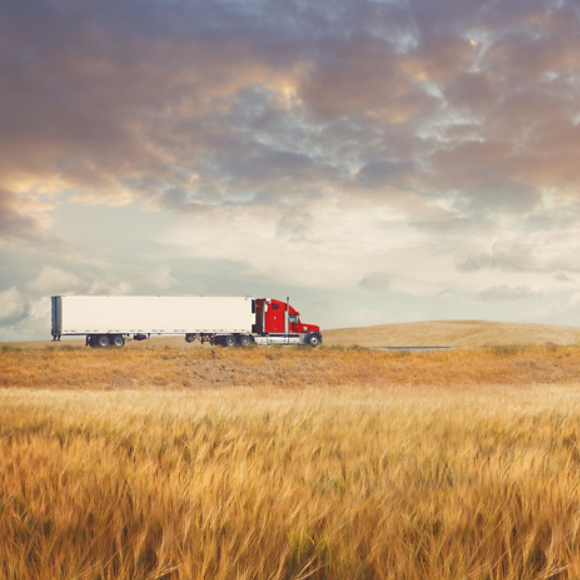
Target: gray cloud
296,225
132,99
376,174
510,256
375,281
503,195
561,277
504,292
362,76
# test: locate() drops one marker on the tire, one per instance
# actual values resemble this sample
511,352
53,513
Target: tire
92,341
244,340
103,340
118,341
229,340
313,340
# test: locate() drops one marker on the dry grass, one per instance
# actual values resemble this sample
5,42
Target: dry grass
386,466
284,367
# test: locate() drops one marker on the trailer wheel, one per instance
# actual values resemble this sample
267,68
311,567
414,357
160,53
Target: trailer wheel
229,340
92,341
313,340
244,340
103,340
118,341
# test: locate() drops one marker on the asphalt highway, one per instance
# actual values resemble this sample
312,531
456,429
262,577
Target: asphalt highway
413,348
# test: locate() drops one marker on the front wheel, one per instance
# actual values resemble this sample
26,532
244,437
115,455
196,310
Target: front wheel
244,340
118,341
313,340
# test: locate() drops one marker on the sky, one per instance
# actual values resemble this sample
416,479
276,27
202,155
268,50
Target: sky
377,161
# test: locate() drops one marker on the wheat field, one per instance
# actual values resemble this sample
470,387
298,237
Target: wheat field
290,463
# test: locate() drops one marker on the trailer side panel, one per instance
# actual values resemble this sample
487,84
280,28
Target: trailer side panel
155,314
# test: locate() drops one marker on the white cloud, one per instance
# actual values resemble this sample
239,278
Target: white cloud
54,280
110,287
13,305
338,248
34,324
162,278
347,246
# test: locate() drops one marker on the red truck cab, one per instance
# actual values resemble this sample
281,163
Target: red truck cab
279,320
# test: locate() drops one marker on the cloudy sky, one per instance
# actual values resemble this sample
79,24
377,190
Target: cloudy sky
376,160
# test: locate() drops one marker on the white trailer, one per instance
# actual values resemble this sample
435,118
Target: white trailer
225,321
106,320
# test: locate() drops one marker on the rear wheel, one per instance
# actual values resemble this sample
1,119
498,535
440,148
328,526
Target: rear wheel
244,340
103,340
118,341
229,340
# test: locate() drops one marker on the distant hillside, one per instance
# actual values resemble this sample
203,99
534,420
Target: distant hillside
431,333
452,333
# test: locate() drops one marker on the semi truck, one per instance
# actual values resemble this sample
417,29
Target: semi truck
225,321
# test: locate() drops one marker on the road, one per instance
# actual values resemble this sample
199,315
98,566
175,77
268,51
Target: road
413,348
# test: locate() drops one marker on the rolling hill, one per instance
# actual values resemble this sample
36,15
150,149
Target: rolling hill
457,333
